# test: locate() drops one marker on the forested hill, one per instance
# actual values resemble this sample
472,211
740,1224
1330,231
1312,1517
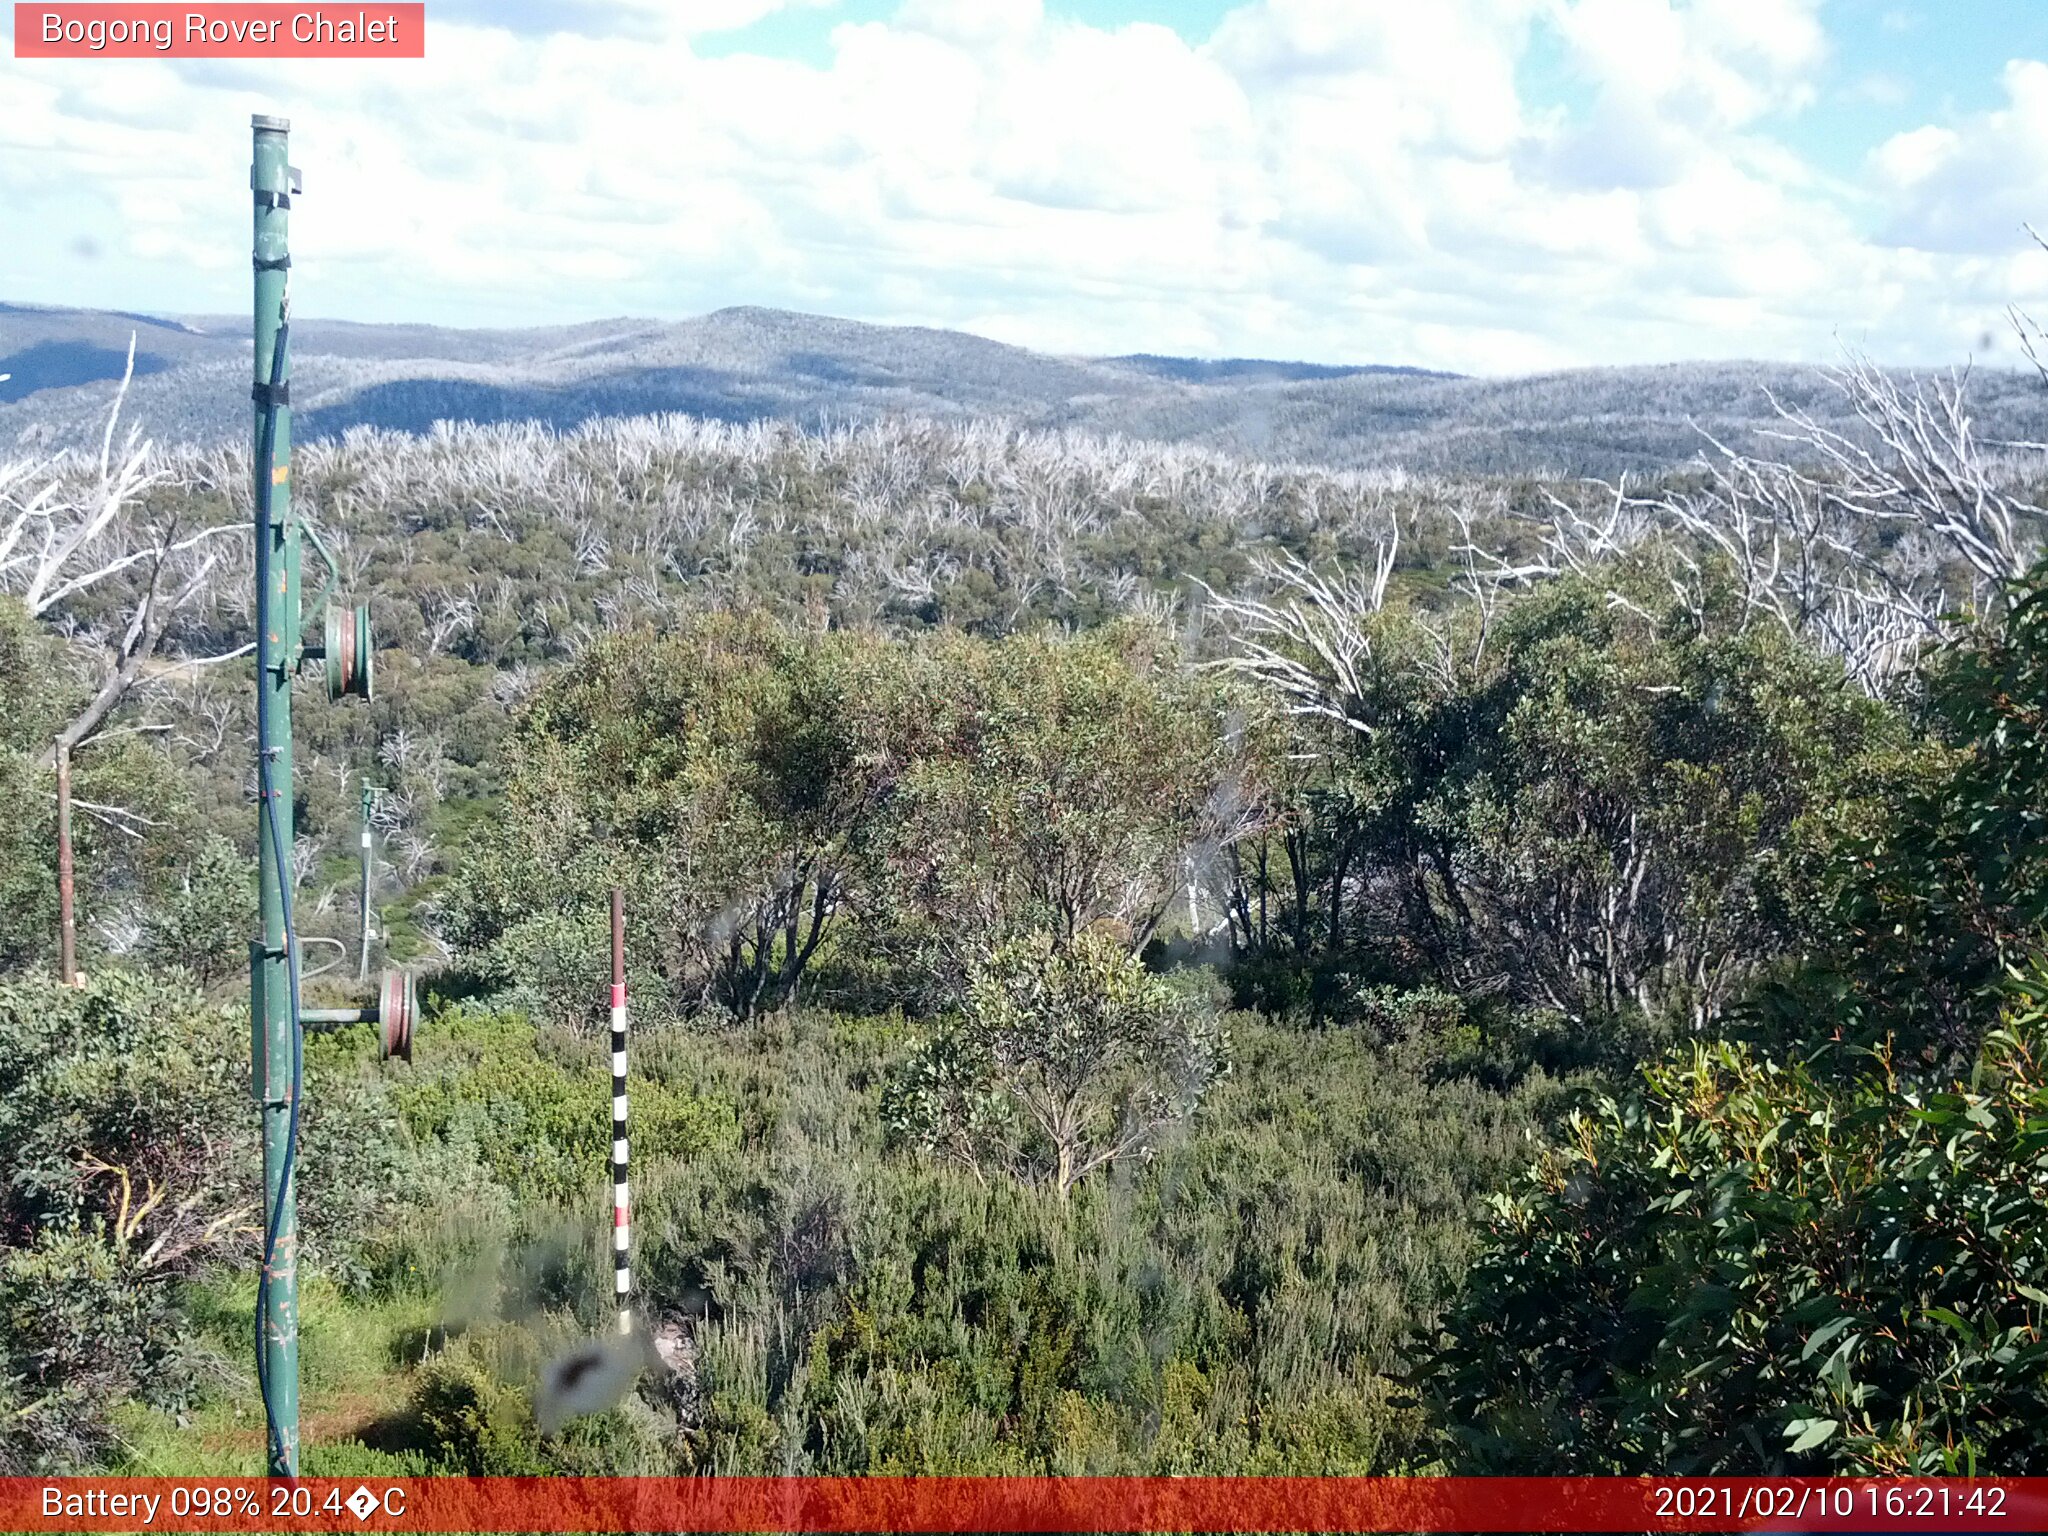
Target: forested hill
751,364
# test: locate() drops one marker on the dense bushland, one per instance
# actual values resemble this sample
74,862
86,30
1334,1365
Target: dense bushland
762,790
1755,1265
1117,987
1591,803
1237,1300
1818,1247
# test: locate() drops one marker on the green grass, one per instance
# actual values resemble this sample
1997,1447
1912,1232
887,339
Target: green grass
358,1358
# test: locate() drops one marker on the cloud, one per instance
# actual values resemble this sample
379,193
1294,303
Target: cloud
972,23
1880,88
1969,187
1319,178
1670,80
636,20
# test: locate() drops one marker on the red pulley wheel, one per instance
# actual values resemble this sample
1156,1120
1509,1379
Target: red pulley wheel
347,650
396,1007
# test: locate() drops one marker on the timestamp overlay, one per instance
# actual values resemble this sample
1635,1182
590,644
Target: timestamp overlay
917,1504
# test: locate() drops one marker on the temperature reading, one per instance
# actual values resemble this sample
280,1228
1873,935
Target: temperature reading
300,1502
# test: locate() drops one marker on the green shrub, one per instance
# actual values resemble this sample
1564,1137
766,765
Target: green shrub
133,1166
84,1324
1743,1266
353,1459
1236,1301
533,1108
472,1421
1929,899
203,922
124,1095
1068,1057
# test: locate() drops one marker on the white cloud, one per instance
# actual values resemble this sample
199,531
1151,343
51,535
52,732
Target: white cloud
1881,88
1969,187
1322,178
1910,158
974,23
639,20
1670,80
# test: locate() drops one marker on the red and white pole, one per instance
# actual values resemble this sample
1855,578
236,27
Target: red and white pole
622,1242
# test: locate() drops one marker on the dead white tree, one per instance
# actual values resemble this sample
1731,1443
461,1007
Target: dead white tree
1311,643
1477,581
1864,540
449,615
68,529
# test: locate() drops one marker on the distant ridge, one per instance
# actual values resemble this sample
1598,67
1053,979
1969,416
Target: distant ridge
158,322
1198,370
746,363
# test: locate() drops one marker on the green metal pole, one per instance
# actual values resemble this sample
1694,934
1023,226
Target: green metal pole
277,576
368,852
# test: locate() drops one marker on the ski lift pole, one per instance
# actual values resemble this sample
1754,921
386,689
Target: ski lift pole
622,1230
276,1023
274,970
368,849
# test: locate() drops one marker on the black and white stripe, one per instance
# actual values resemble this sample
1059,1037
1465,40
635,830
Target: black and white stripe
622,1229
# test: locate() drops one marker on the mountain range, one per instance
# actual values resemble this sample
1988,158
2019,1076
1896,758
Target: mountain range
740,364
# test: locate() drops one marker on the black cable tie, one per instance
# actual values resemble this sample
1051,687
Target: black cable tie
273,199
271,395
271,264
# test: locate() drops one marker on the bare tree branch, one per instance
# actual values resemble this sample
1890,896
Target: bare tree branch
1312,645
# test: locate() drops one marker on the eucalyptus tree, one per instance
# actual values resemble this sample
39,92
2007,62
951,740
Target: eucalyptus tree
730,774
1066,1057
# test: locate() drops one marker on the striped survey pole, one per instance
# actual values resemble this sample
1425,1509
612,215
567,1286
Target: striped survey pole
622,1241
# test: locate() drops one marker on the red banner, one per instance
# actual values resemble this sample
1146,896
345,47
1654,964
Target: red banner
216,31
1024,1504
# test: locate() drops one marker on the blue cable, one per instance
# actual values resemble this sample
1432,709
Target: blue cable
266,792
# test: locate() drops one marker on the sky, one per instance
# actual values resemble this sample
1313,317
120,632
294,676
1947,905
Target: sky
1487,186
